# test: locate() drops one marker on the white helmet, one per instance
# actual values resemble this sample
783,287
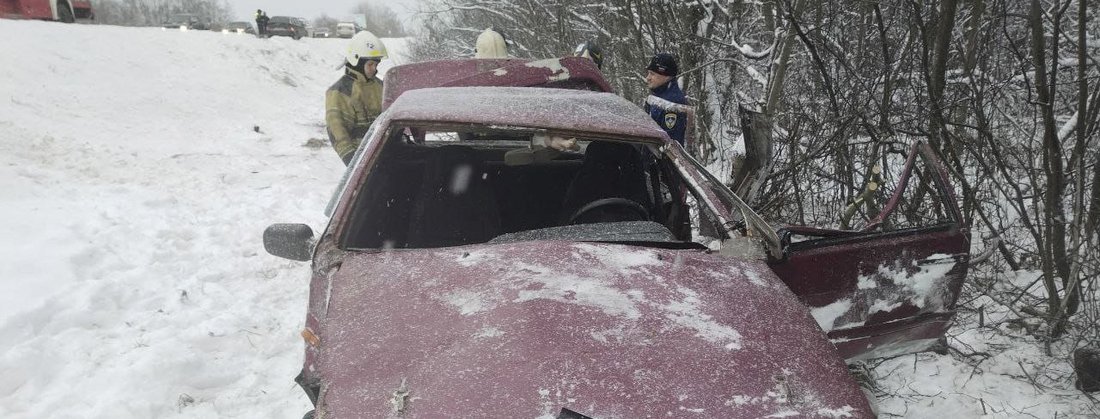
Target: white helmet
365,45
490,44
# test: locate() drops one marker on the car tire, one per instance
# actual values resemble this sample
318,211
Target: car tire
65,12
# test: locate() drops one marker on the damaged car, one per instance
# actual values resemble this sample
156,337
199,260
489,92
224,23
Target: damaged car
513,240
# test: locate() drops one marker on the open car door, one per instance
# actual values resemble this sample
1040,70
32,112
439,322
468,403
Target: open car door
890,288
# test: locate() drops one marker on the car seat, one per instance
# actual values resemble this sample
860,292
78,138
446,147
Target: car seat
609,170
455,204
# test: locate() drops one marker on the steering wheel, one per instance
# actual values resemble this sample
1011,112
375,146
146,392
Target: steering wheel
621,203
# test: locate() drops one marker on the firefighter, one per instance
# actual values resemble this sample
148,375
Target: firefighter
354,101
666,103
590,50
491,44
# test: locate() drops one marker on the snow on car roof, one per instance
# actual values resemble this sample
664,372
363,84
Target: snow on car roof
566,72
535,107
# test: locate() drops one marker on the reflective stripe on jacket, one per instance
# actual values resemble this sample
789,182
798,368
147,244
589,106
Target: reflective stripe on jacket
351,105
661,107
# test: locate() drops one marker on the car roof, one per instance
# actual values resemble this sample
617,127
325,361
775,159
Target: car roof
566,110
567,73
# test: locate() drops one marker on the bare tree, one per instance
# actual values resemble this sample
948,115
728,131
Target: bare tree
380,19
155,12
324,21
1000,87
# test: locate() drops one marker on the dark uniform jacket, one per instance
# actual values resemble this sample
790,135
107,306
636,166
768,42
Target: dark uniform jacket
351,105
261,23
666,105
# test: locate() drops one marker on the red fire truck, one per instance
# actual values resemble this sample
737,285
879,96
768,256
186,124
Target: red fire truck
60,10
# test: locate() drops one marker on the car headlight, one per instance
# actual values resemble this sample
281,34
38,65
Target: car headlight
225,30
183,28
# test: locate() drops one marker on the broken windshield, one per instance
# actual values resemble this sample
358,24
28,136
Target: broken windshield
438,186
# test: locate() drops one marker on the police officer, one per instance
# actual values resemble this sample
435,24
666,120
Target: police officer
666,103
354,101
261,22
590,50
260,27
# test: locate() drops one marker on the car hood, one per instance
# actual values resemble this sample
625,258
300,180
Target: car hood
522,330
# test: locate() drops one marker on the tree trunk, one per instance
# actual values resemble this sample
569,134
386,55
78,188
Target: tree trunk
756,128
1053,230
775,85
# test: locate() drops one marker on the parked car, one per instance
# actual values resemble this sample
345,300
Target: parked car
239,27
186,21
308,26
502,250
286,26
322,33
67,11
346,29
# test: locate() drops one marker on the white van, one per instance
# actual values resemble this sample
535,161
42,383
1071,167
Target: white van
345,29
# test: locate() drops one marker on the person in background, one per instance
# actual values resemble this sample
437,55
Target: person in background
259,23
666,103
262,23
354,101
590,50
491,44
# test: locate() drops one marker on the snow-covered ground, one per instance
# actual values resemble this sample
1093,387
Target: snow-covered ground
994,371
133,283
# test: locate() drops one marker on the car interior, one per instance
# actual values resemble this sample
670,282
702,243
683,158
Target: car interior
440,186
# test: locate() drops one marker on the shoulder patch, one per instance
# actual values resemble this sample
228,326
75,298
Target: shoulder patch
670,120
343,85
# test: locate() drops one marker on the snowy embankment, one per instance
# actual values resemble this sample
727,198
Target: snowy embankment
133,282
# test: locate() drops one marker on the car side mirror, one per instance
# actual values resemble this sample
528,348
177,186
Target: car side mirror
290,241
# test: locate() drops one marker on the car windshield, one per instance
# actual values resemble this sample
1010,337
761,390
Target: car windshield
238,25
437,186
279,19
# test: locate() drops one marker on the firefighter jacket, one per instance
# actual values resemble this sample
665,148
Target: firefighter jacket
667,106
351,105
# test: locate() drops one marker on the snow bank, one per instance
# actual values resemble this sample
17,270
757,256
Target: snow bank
133,282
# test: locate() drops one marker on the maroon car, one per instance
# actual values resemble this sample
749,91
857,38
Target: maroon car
527,252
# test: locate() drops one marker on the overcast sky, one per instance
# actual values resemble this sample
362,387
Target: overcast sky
309,9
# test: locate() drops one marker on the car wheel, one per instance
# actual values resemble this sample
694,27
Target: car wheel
65,12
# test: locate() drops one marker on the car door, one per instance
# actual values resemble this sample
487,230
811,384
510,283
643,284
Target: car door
890,288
